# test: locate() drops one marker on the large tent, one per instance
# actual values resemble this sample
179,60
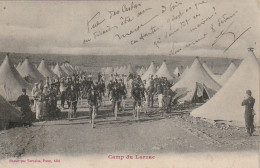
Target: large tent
11,82
150,71
226,104
186,87
215,77
163,71
45,71
58,71
8,114
227,74
27,70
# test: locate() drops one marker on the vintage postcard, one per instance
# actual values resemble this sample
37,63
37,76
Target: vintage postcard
119,83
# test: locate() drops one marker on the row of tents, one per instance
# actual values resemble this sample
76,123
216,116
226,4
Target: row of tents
12,79
223,94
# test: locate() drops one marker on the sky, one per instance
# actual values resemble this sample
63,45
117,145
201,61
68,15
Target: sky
60,27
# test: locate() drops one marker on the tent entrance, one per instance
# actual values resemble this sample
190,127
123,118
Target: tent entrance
201,94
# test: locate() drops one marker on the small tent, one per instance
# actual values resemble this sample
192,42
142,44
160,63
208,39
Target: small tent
28,71
163,71
176,72
150,71
58,71
45,71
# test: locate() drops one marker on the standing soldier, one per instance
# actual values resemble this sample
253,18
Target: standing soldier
249,112
92,97
53,101
123,92
63,89
115,98
109,88
24,103
167,98
151,91
72,97
137,96
159,92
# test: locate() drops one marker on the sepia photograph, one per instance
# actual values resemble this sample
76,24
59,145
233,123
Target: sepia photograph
119,83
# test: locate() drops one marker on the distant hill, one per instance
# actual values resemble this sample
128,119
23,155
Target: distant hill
95,62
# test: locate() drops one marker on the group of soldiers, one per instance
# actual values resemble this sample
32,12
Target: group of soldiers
71,89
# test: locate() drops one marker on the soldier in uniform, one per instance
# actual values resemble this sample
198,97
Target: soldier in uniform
93,98
137,95
72,97
249,112
151,91
23,102
167,98
115,97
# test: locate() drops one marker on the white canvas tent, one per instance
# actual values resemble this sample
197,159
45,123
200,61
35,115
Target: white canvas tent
184,72
28,70
215,77
65,69
58,71
227,74
108,70
8,114
163,71
176,72
11,82
129,69
18,66
150,71
45,71
226,104
186,86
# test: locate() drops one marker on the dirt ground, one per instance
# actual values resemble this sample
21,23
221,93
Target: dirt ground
153,133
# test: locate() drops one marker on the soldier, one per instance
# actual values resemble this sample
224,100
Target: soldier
23,102
123,92
63,89
92,97
167,98
159,92
151,91
109,88
53,101
72,97
115,97
249,112
137,95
